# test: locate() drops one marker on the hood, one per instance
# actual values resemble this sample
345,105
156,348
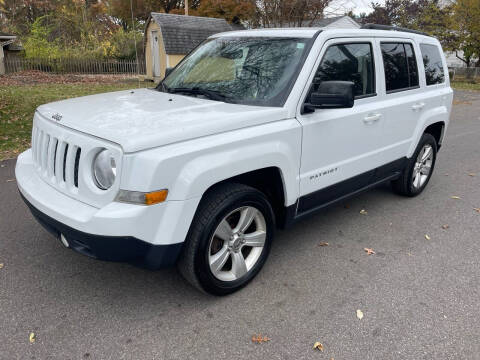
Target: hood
144,118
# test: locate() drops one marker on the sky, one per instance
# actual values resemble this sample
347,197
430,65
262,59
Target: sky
339,7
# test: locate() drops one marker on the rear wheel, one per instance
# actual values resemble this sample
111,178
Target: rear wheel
419,169
229,239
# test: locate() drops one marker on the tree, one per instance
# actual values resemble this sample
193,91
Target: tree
234,11
466,25
379,15
295,13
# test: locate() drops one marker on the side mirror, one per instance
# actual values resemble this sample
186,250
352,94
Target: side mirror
168,71
333,94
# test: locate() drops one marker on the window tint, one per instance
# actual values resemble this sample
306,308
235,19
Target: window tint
432,62
400,66
348,62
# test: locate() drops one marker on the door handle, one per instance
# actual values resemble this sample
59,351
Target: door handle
418,106
370,119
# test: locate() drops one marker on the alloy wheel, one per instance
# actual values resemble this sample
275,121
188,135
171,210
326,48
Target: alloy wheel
422,167
237,243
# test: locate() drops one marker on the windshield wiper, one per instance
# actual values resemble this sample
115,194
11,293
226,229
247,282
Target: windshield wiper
211,94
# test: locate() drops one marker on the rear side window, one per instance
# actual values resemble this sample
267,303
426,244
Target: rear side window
348,62
401,70
432,61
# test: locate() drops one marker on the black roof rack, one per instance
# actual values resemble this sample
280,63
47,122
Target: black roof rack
393,28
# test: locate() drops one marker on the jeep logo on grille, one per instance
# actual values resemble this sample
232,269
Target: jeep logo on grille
57,117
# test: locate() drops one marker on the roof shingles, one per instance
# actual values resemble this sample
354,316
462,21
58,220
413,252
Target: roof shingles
181,34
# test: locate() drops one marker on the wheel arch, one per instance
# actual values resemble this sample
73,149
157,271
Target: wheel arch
436,130
269,180
434,122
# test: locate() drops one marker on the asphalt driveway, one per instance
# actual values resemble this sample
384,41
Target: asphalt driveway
420,298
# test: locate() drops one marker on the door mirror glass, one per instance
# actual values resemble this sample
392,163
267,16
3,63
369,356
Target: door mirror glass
333,94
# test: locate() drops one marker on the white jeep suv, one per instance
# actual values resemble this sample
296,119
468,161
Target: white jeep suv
252,130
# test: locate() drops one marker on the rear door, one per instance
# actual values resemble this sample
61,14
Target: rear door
341,147
403,98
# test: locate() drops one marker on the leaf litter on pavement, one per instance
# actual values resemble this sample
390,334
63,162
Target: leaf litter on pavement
260,339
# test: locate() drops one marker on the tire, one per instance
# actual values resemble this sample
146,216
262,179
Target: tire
219,214
409,184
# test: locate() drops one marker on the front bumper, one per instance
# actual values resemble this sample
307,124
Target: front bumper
110,248
144,235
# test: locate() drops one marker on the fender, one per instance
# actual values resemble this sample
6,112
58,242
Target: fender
189,168
435,115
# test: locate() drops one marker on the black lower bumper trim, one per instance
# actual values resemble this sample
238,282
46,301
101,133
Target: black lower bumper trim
111,248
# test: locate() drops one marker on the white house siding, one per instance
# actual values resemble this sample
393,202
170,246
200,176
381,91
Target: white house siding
344,23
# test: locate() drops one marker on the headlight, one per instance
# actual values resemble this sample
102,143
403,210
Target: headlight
104,169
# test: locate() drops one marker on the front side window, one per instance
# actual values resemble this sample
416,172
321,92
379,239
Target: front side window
254,70
348,62
401,71
432,61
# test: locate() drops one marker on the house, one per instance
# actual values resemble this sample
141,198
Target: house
5,41
168,38
337,22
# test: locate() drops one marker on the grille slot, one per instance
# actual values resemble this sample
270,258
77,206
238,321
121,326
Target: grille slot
57,160
75,169
64,167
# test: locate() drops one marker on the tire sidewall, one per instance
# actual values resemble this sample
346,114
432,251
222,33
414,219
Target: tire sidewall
201,264
426,139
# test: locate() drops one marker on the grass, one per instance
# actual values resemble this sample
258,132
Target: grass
465,85
18,103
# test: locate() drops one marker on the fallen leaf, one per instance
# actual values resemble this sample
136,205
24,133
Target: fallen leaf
409,254
472,174
318,346
369,251
445,227
1,266
455,197
363,212
427,237
446,174
477,209
323,244
360,314
32,338
259,339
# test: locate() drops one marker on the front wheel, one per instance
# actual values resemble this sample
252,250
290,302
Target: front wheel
419,169
229,239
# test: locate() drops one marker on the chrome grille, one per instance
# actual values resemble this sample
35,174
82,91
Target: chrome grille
56,159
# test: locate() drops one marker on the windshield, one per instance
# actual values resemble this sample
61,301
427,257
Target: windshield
256,71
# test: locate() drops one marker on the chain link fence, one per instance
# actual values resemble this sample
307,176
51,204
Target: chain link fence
471,75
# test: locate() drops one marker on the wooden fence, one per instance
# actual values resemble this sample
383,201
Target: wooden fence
76,66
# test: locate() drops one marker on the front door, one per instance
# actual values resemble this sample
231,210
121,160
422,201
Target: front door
342,147
155,54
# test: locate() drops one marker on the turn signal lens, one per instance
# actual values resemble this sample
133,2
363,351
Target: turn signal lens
141,198
155,197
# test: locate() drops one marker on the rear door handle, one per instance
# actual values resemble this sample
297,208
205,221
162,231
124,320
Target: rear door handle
418,106
370,119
